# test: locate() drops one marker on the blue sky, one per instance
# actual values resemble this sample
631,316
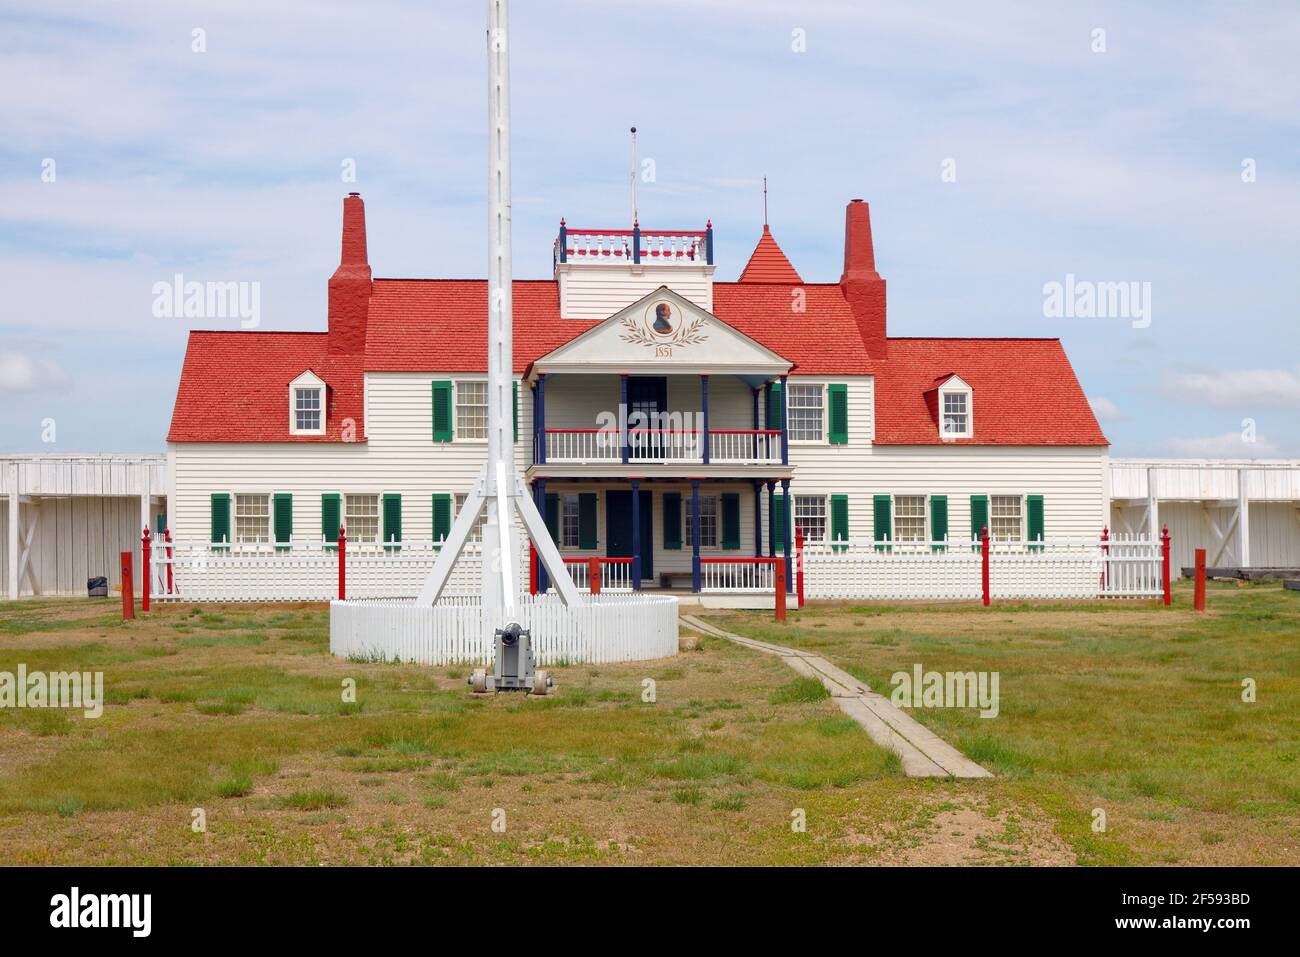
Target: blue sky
1122,165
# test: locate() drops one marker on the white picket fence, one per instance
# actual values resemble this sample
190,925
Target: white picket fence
1122,567
459,630
305,571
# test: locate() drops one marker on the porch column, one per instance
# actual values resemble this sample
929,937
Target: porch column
786,520
12,544
636,534
755,390
1243,520
771,519
758,516
622,414
785,423
704,406
695,535
539,493
539,421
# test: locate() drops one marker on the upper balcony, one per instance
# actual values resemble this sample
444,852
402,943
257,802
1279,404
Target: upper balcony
600,271
635,246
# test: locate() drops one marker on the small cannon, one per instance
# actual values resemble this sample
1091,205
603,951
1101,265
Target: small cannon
513,666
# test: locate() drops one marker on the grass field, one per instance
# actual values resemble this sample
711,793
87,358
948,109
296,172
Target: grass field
238,712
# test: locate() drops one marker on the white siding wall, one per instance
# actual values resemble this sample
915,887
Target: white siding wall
589,291
399,456
1071,481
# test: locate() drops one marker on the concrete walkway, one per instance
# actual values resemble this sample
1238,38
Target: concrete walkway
924,753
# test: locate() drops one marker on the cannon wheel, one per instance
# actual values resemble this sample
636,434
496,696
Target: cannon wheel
479,681
542,682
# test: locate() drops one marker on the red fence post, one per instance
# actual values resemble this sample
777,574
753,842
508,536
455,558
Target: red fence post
779,565
1105,556
167,537
146,571
343,564
798,563
1164,556
532,568
128,593
984,554
1199,601
593,576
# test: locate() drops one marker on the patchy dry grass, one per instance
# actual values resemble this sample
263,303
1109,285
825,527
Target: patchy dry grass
1127,707
238,710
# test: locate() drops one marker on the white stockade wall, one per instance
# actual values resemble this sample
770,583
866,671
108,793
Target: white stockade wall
1122,567
305,571
458,630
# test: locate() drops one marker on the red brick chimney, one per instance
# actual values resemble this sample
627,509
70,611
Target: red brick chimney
349,299
862,286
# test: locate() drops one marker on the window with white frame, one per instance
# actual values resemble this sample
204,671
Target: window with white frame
909,518
805,405
252,519
810,515
708,522
307,409
955,412
569,535
361,518
1005,518
475,533
471,409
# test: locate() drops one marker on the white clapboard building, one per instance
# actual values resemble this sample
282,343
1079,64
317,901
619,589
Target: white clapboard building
662,415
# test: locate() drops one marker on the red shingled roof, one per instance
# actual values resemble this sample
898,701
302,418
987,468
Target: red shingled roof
441,324
235,387
768,263
1024,392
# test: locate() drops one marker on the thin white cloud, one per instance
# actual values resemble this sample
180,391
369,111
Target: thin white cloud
1105,410
1229,445
20,372
1236,388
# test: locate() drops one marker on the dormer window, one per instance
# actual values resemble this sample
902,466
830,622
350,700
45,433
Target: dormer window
955,409
956,416
307,405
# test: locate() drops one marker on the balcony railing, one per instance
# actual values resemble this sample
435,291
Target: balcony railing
636,245
665,446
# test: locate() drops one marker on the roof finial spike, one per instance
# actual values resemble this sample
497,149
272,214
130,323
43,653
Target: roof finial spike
764,200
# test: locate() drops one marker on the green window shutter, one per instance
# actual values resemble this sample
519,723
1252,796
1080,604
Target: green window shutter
938,520
516,385
282,519
882,519
979,516
778,518
840,520
838,417
162,523
672,520
442,426
586,519
220,527
731,520
774,406
392,512
441,516
553,516
1034,506
331,517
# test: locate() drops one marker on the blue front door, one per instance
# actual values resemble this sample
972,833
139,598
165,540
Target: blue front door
618,528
